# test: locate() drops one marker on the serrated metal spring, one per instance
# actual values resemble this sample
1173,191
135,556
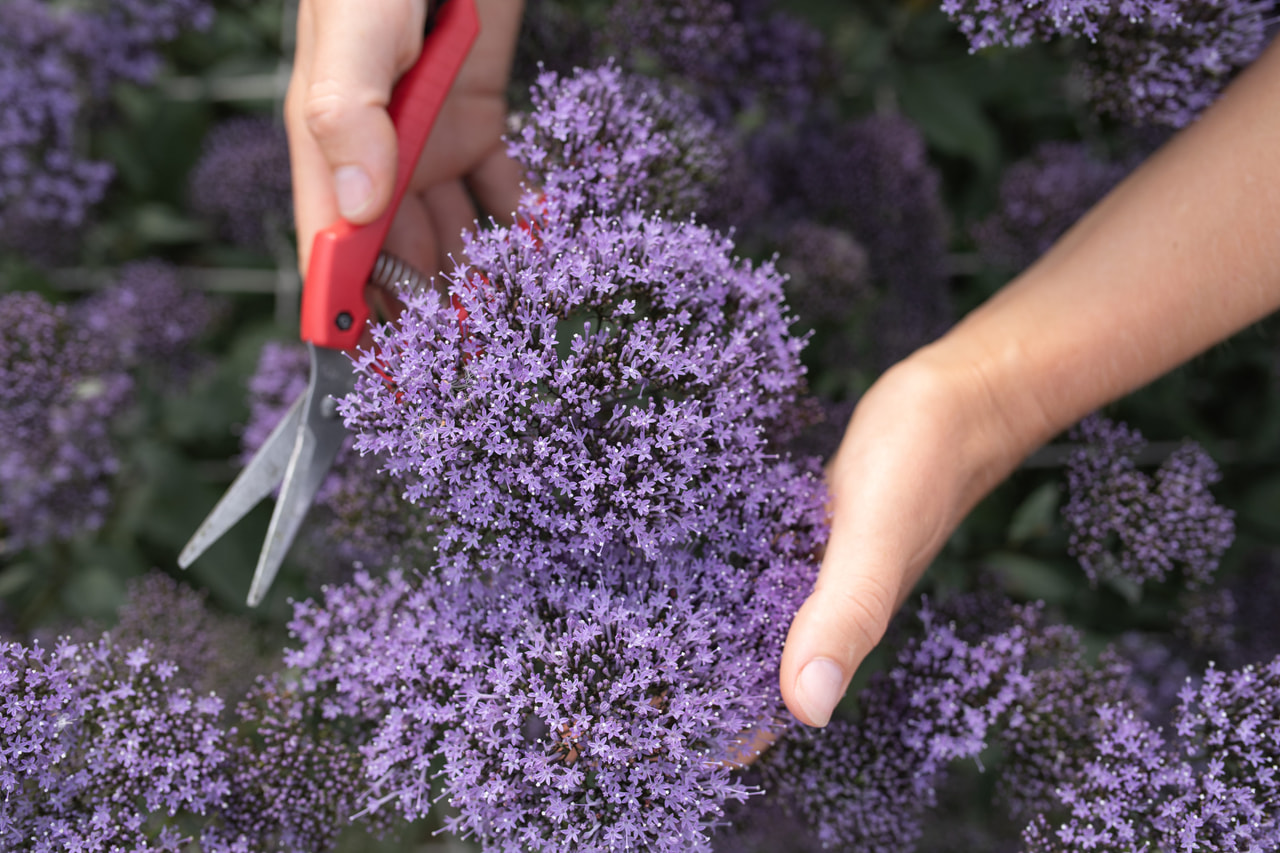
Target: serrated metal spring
392,273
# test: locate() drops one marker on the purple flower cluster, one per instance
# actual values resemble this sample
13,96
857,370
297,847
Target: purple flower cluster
60,389
736,54
118,38
604,142
1146,61
152,320
874,178
598,704
44,179
97,742
1047,735
242,181
214,652
1209,785
1040,198
293,776
1126,524
866,784
56,64
829,272
621,377
68,373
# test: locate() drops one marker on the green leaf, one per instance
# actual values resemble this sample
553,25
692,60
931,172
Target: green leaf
15,577
94,591
1031,579
936,98
159,224
1036,516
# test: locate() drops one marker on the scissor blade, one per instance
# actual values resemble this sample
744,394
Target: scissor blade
255,481
319,438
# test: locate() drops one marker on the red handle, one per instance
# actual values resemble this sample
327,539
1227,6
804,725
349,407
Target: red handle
342,257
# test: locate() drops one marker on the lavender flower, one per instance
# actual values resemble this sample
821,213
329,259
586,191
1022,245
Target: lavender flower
62,386
615,689
619,380
736,55
293,777
214,652
604,684
873,177
96,742
1145,61
242,181
829,272
152,319
1212,786
56,64
44,179
866,784
118,39
1166,72
1040,198
605,142
698,40
1159,525
1050,733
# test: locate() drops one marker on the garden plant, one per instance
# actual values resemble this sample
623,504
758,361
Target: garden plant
541,601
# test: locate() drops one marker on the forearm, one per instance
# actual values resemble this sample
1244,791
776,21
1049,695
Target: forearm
1181,255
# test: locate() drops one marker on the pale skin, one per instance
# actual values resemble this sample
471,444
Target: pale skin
1181,255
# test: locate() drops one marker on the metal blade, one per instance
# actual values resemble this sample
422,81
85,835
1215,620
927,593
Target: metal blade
319,438
263,473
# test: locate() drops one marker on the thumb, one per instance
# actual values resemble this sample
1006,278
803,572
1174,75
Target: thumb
843,619
342,142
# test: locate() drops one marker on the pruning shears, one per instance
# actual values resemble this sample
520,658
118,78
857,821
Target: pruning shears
344,259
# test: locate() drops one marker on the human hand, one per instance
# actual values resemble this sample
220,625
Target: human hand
922,448
342,144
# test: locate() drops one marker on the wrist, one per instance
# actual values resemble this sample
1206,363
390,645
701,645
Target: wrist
980,394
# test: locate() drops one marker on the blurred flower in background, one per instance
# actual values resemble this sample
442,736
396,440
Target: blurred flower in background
242,182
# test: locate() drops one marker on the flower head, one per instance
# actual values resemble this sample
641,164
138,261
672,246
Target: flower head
866,784
152,319
61,388
1127,524
98,741
242,181
605,142
1145,61
1208,784
1040,198
620,380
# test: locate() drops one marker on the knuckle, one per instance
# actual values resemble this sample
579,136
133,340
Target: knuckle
326,108
865,608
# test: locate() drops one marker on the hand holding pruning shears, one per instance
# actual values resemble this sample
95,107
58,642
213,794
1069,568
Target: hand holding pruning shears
344,257
343,144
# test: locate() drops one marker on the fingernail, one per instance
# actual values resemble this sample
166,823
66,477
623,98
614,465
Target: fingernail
819,688
354,189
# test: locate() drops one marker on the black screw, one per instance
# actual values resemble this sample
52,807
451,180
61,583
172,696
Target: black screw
344,321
